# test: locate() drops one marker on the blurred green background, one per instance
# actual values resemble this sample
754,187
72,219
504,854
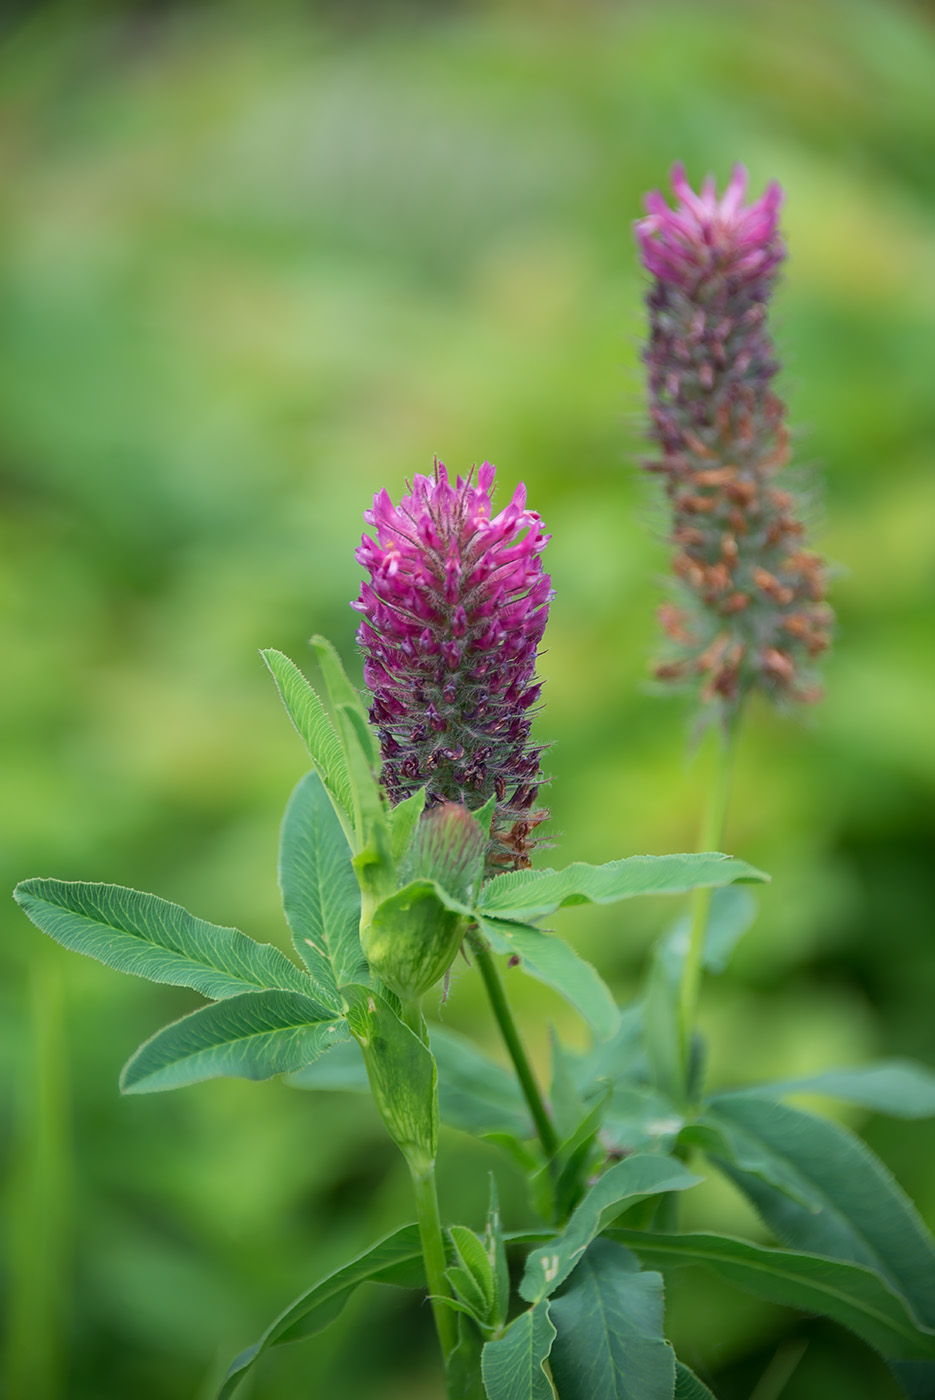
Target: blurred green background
256,262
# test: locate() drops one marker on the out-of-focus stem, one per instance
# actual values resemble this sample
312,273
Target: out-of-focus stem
517,1052
433,1252
711,838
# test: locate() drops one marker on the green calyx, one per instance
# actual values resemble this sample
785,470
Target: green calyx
411,937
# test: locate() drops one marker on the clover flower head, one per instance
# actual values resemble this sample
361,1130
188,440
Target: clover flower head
750,611
452,617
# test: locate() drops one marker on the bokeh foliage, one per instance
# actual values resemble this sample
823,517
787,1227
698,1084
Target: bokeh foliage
257,262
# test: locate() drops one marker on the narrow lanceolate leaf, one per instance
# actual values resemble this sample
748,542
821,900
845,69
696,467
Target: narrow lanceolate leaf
609,1324
843,1202
552,961
315,730
688,1386
320,894
851,1294
512,1366
253,1036
625,1184
531,894
341,692
152,938
396,1260
898,1088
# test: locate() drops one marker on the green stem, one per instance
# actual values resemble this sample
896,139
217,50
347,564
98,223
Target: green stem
504,1016
711,838
433,1252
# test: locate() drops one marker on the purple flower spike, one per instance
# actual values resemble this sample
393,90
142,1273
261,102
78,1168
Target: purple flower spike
704,238
751,609
453,615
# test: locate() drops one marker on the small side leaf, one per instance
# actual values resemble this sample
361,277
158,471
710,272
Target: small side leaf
625,1184
552,961
316,732
149,937
610,1343
396,1260
513,1365
253,1036
529,894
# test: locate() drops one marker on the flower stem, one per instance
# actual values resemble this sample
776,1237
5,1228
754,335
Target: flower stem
511,1037
711,838
433,1252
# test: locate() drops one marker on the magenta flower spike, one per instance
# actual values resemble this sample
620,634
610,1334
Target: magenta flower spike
751,611
453,615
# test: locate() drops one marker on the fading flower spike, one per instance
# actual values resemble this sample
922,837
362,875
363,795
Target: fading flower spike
752,611
453,615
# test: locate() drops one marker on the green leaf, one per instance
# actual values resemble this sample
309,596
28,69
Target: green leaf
568,1108
320,895
473,1257
496,1253
851,1294
640,1119
843,1201
342,692
529,894
551,961
623,1185
475,1094
898,1088
369,805
513,1365
341,1069
252,1036
396,1260
662,1026
688,1386
401,1071
403,819
152,938
463,1375
608,1320
620,1058
316,732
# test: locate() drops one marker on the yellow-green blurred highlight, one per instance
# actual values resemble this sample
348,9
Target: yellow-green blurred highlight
257,262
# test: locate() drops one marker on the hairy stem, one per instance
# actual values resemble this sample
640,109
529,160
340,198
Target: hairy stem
433,1252
511,1037
711,838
